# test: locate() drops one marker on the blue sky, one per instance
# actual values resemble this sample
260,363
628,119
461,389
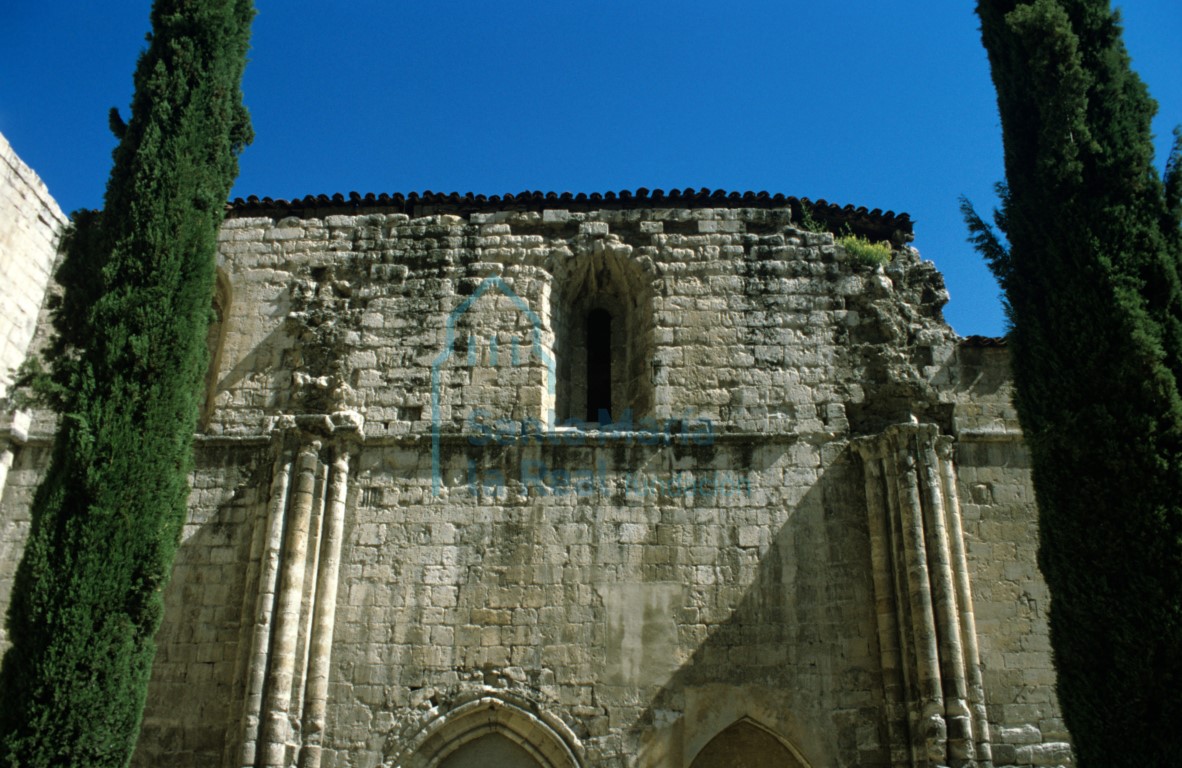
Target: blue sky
887,105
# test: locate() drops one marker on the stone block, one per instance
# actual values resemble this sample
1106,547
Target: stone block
1023,734
598,228
1053,753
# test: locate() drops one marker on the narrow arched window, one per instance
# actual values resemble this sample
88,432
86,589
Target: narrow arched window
599,366
604,326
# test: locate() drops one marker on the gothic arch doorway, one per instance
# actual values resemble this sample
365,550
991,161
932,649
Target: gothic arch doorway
746,744
490,732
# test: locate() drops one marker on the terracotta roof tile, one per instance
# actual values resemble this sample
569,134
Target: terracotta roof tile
875,224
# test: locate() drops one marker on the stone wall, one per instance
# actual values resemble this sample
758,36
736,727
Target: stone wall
30,224
806,534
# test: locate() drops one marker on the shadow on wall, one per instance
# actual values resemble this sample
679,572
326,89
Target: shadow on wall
263,360
980,368
788,676
193,695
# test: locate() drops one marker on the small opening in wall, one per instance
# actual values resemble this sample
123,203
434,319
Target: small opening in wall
599,366
603,343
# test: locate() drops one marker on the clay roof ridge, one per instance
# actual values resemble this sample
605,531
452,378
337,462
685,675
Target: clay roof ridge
876,222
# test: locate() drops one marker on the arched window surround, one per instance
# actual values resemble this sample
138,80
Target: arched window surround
593,285
544,737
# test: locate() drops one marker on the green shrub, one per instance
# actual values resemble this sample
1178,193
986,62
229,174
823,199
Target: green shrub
809,223
865,252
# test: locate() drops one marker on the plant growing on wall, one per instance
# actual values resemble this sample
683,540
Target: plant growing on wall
1091,279
865,252
128,363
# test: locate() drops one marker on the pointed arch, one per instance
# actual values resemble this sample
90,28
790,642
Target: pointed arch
492,750
748,744
534,736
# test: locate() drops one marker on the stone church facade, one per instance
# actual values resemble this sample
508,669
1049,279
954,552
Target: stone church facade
647,479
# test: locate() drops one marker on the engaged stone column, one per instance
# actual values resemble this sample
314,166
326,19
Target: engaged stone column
269,549
284,668
927,636
964,594
893,645
956,712
277,715
327,579
931,728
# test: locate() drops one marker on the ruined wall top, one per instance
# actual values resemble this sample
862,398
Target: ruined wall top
723,306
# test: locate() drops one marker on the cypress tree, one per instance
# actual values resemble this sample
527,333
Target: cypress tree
127,369
1089,265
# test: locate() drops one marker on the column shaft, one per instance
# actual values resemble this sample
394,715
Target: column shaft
277,721
956,712
316,699
260,641
964,593
931,728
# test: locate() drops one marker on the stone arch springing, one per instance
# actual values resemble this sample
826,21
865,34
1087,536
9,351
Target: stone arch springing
535,738
215,339
748,744
603,323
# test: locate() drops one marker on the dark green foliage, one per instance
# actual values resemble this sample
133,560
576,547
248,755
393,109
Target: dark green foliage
1091,279
128,365
116,124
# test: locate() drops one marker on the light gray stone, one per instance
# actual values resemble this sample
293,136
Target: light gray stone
626,594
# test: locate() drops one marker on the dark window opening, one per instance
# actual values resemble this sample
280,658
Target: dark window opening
603,325
599,366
